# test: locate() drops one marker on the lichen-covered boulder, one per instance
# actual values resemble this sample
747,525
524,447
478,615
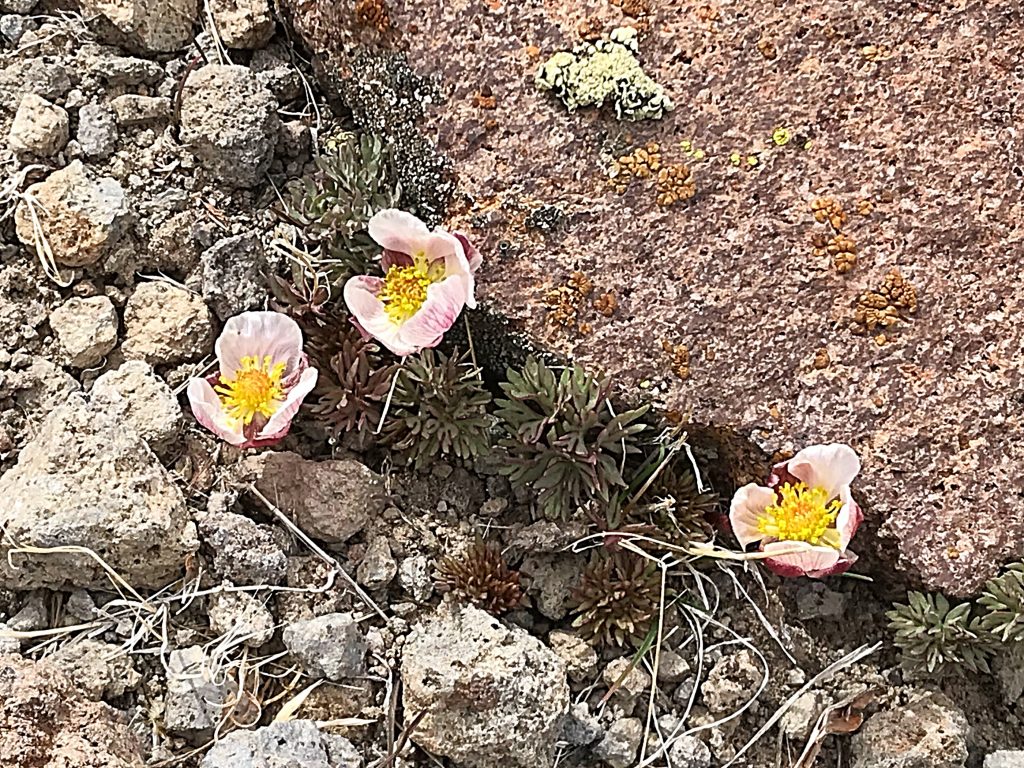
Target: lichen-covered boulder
229,121
86,480
493,696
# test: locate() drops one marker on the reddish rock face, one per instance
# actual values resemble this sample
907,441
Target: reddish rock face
910,107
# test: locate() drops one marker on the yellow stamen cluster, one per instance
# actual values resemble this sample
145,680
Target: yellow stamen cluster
404,291
255,389
801,514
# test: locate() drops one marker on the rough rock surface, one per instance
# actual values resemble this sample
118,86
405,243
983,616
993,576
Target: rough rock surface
689,752
330,500
131,109
155,26
927,732
166,324
732,681
144,400
244,553
619,746
197,697
84,480
39,127
241,615
1004,759
46,723
86,328
81,218
330,646
730,274
97,131
230,122
100,670
493,695
233,275
243,23
295,743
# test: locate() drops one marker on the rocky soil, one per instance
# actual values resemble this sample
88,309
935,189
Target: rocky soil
166,599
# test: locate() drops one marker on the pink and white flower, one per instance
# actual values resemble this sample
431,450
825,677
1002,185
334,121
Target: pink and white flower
805,517
262,379
428,279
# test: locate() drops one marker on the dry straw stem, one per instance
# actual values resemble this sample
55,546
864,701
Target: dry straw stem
10,195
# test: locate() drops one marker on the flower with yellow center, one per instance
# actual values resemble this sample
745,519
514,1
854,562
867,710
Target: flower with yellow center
262,379
254,389
803,520
428,279
801,514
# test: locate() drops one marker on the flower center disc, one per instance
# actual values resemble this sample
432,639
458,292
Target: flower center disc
255,389
405,290
801,514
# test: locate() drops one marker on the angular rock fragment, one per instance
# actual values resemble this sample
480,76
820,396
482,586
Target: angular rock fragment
143,400
234,270
39,128
295,743
144,26
927,732
243,23
86,328
330,646
166,324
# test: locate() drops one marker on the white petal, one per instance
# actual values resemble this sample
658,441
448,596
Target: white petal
361,299
397,230
848,519
798,558
826,466
259,334
747,505
209,411
279,424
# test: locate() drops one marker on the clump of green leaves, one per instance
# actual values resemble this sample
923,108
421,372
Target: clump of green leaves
352,182
936,637
1002,603
564,438
438,408
481,576
618,598
673,506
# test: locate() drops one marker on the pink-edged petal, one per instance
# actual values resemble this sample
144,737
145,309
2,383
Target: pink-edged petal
747,505
445,300
473,255
798,558
258,334
389,259
396,230
825,466
849,518
209,412
279,424
369,315
456,263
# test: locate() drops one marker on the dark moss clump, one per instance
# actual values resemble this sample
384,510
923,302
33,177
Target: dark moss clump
481,576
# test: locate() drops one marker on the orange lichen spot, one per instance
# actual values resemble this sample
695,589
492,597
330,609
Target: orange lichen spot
827,209
581,283
606,304
885,306
634,8
642,162
843,252
822,359
675,183
679,357
373,13
591,28
766,47
484,98
566,302
865,207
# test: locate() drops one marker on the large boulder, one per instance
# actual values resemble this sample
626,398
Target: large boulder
45,722
86,480
230,123
492,696
80,218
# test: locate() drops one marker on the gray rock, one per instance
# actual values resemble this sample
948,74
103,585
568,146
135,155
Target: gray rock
494,696
100,670
39,127
18,6
579,656
275,72
244,553
689,752
13,27
32,615
229,121
377,567
86,329
1008,668
1005,759
147,404
330,646
681,695
42,77
8,644
153,26
632,683
552,579
732,681
295,744
672,667
241,615
166,324
84,218
414,577
40,388
801,716
927,732
97,131
580,727
85,480
621,741
814,600
131,109
330,500
234,271
121,70
197,698
243,23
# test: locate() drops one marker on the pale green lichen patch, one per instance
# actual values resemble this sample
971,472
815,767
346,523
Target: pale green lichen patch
605,71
